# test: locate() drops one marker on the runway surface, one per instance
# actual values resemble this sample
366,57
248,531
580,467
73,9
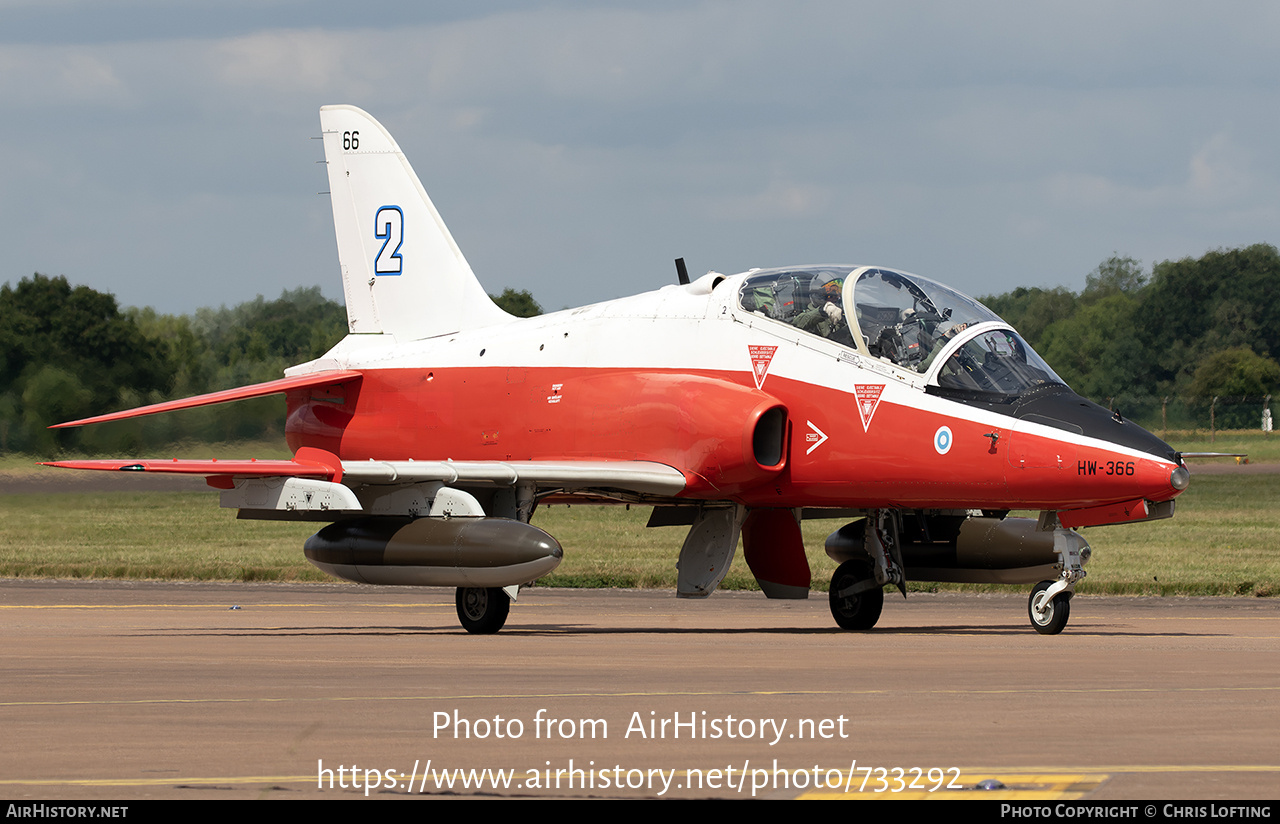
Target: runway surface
131,690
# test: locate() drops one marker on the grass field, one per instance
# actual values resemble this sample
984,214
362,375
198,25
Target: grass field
1224,540
272,448
1261,447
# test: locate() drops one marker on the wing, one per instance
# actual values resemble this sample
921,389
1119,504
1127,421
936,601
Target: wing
316,483
640,477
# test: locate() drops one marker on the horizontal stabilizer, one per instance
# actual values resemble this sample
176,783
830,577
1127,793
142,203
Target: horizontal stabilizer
251,467
257,390
307,463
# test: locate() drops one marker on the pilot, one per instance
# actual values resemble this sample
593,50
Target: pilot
825,313
758,299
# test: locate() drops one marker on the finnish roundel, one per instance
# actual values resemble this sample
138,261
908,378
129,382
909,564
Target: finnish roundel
942,440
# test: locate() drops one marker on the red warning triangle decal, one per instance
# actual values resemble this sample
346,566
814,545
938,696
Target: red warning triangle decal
868,396
761,357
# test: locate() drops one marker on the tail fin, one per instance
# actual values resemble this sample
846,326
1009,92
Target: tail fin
402,273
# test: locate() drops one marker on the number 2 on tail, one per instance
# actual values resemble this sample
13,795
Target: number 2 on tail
388,226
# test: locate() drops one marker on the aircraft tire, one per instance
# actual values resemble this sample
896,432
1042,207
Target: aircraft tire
859,611
1055,617
482,610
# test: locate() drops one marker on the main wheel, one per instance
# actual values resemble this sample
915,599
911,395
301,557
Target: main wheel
1056,612
860,610
481,610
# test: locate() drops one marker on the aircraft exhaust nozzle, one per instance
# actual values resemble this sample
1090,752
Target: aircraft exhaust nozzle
434,552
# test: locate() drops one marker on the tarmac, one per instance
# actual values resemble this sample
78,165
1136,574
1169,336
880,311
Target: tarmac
141,690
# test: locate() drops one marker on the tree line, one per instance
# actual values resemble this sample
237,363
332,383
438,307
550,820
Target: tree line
69,352
1174,344
1188,339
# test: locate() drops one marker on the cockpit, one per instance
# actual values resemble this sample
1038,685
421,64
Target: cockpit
908,321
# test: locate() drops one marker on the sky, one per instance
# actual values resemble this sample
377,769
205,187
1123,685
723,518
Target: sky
167,151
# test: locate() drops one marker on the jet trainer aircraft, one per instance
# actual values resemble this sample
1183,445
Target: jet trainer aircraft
736,405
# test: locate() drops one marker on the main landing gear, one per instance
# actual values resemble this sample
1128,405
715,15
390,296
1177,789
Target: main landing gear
856,598
968,549
482,610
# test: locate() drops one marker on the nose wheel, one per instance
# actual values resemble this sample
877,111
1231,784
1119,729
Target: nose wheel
482,610
856,598
1049,607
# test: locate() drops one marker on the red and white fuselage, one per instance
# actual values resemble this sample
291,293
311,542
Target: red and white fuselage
685,377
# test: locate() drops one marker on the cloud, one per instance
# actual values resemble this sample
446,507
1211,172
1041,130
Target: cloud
993,143
44,78
1219,171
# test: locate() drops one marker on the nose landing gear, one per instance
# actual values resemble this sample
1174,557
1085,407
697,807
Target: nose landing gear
1049,606
1049,611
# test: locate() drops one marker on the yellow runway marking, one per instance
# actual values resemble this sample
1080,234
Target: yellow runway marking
362,698
1037,784
682,693
222,606
158,782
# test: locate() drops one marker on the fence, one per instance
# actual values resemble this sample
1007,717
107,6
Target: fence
1160,414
